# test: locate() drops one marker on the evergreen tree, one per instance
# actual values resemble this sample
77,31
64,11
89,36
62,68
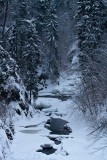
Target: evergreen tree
32,61
62,5
42,6
24,48
47,28
89,29
18,37
3,19
9,79
8,70
52,41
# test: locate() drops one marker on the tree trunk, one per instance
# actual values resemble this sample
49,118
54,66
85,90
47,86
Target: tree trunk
30,96
5,19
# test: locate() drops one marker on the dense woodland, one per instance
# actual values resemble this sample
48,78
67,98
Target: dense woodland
37,35
36,39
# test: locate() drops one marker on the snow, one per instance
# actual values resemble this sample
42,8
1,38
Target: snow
4,142
102,119
28,140
1,48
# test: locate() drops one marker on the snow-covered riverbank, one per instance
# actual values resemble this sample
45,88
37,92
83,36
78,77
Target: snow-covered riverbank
75,146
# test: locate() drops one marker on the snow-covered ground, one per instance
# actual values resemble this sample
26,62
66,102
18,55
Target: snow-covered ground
74,146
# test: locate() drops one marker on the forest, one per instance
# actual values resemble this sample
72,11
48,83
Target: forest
53,77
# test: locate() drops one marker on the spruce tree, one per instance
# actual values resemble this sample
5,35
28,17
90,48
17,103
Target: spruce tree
9,79
52,42
42,6
32,61
24,48
89,29
18,36
8,73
